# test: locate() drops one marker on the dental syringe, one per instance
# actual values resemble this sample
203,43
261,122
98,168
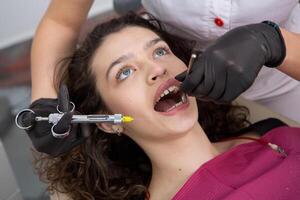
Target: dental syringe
115,119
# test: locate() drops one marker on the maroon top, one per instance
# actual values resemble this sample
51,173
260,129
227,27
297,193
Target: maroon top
250,171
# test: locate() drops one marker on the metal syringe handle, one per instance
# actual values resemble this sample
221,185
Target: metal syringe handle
55,117
116,118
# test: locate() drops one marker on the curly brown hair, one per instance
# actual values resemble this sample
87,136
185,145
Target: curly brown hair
106,166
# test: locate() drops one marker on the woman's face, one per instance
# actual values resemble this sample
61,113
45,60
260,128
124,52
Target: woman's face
134,69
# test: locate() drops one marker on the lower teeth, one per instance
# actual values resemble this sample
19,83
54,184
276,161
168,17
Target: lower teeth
183,100
171,108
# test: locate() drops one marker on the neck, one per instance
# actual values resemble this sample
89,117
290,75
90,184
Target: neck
174,161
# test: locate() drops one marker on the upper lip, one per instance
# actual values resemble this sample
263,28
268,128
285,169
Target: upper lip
165,85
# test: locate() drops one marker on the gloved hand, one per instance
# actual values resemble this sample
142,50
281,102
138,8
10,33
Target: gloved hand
40,133
230,65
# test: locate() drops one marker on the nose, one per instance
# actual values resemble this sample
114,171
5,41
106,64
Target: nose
156,72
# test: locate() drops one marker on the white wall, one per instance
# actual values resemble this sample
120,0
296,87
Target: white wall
19,18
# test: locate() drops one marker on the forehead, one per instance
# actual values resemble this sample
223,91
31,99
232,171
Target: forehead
128,40
132,36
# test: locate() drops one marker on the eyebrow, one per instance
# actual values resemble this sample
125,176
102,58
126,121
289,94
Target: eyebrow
127,56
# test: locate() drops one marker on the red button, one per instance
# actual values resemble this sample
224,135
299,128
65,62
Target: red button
219,21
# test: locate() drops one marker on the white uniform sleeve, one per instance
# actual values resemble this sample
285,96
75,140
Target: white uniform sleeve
293,23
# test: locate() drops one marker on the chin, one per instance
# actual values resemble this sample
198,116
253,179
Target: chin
181,121
182,127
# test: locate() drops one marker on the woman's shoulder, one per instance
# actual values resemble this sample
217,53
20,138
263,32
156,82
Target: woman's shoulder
254,131
260,127
284,136
274,131
256,136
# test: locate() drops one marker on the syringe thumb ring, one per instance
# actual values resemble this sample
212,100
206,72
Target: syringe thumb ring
25,119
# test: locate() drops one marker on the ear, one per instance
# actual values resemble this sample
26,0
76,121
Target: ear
110,128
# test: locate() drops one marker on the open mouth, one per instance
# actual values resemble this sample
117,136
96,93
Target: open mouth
169,99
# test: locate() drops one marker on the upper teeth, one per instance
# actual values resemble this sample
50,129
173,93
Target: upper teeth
172,88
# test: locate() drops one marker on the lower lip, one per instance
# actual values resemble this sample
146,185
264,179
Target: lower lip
175,110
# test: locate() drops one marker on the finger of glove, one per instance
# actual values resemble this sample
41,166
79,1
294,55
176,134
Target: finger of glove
63,99
85,131
180,77
74,139
44,106
194,78
64,123
203,89
233,88
219,86
229,96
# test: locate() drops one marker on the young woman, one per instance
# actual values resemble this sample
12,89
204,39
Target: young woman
128,66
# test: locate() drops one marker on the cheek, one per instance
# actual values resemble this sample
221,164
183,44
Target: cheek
126,99
133,103
176,66
126,105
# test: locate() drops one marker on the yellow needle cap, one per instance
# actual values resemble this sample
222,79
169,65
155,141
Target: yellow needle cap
127,119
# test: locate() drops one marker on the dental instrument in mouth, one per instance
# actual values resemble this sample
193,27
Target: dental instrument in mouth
192,59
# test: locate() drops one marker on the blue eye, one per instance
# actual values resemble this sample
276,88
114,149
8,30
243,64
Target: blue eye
160,52
124,73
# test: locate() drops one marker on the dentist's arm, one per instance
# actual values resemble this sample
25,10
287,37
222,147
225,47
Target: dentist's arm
55,39
291,63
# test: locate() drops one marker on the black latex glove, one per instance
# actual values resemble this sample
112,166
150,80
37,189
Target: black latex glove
230,65
40,133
